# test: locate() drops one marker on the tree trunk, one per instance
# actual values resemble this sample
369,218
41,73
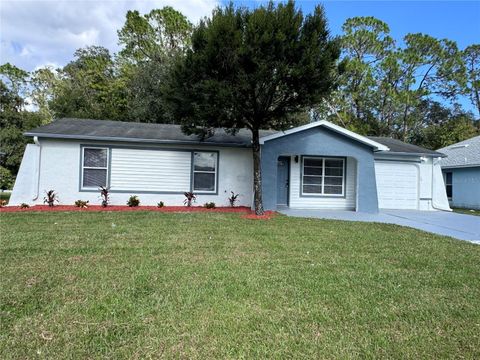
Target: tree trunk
477,100
257,173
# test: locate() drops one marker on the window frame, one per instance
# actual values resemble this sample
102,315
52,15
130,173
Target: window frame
83,167
192,186
323,194
449,184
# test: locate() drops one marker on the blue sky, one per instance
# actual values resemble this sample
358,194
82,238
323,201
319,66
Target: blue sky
455,20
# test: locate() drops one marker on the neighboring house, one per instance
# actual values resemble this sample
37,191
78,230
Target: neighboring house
461,171
316,166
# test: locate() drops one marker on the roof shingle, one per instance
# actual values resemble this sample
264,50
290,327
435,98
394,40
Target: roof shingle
87,129
402,147
462,154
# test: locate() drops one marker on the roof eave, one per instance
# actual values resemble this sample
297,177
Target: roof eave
459,166
403,153
135,140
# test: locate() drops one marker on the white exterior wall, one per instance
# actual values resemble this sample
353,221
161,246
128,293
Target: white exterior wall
25,189
60,171
348,202
431,188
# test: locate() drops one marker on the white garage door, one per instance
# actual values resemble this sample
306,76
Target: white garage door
397,185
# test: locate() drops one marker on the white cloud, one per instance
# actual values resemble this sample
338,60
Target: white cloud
39,32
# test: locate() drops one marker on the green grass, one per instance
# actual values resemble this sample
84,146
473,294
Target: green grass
467,211
149,285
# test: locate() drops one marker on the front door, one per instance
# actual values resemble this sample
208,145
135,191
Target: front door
283,174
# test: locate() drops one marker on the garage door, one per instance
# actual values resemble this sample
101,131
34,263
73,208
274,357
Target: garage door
397,185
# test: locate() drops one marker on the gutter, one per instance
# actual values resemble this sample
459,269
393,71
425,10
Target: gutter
411,154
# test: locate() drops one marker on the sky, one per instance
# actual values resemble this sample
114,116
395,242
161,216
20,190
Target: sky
38,33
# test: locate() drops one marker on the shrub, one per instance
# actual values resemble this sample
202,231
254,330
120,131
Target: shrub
104,195
209,205
50,198
24,206
190,196
3,203
232,199
81,204
6,179
133,201
160,204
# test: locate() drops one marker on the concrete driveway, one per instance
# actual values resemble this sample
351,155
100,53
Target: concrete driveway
459,226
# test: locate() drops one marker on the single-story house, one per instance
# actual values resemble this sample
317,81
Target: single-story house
315,166
461,171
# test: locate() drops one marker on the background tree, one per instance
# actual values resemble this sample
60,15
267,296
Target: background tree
151,42
155,36
471,85
441,126
384,85
365,43
254,69
89,87
14,118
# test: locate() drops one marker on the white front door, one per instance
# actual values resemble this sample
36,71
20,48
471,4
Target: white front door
397,185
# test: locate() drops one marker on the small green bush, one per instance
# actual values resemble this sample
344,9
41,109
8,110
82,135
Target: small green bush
209,205
160,204
24,206
133,201
81,204
6,179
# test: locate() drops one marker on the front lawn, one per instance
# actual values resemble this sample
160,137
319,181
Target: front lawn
196,285
466,211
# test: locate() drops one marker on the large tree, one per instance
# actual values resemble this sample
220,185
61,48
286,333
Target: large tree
89,87
150,44
471,85
254,69
14,118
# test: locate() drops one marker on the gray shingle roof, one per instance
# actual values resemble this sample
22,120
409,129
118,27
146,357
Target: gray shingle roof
86,129
402,147
463,154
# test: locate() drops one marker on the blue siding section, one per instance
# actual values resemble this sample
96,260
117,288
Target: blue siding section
465,187
320,141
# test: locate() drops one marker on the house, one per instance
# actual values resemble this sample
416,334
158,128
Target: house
315,166
461,171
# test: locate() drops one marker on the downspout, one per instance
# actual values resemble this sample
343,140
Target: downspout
36,185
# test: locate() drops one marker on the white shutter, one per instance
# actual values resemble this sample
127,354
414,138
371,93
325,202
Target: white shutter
150,170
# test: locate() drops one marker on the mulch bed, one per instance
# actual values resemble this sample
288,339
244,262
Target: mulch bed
248,213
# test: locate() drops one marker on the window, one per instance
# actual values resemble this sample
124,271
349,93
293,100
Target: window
448,184
323,176
205,171
94,167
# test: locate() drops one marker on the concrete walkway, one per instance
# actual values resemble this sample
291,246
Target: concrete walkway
459,226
